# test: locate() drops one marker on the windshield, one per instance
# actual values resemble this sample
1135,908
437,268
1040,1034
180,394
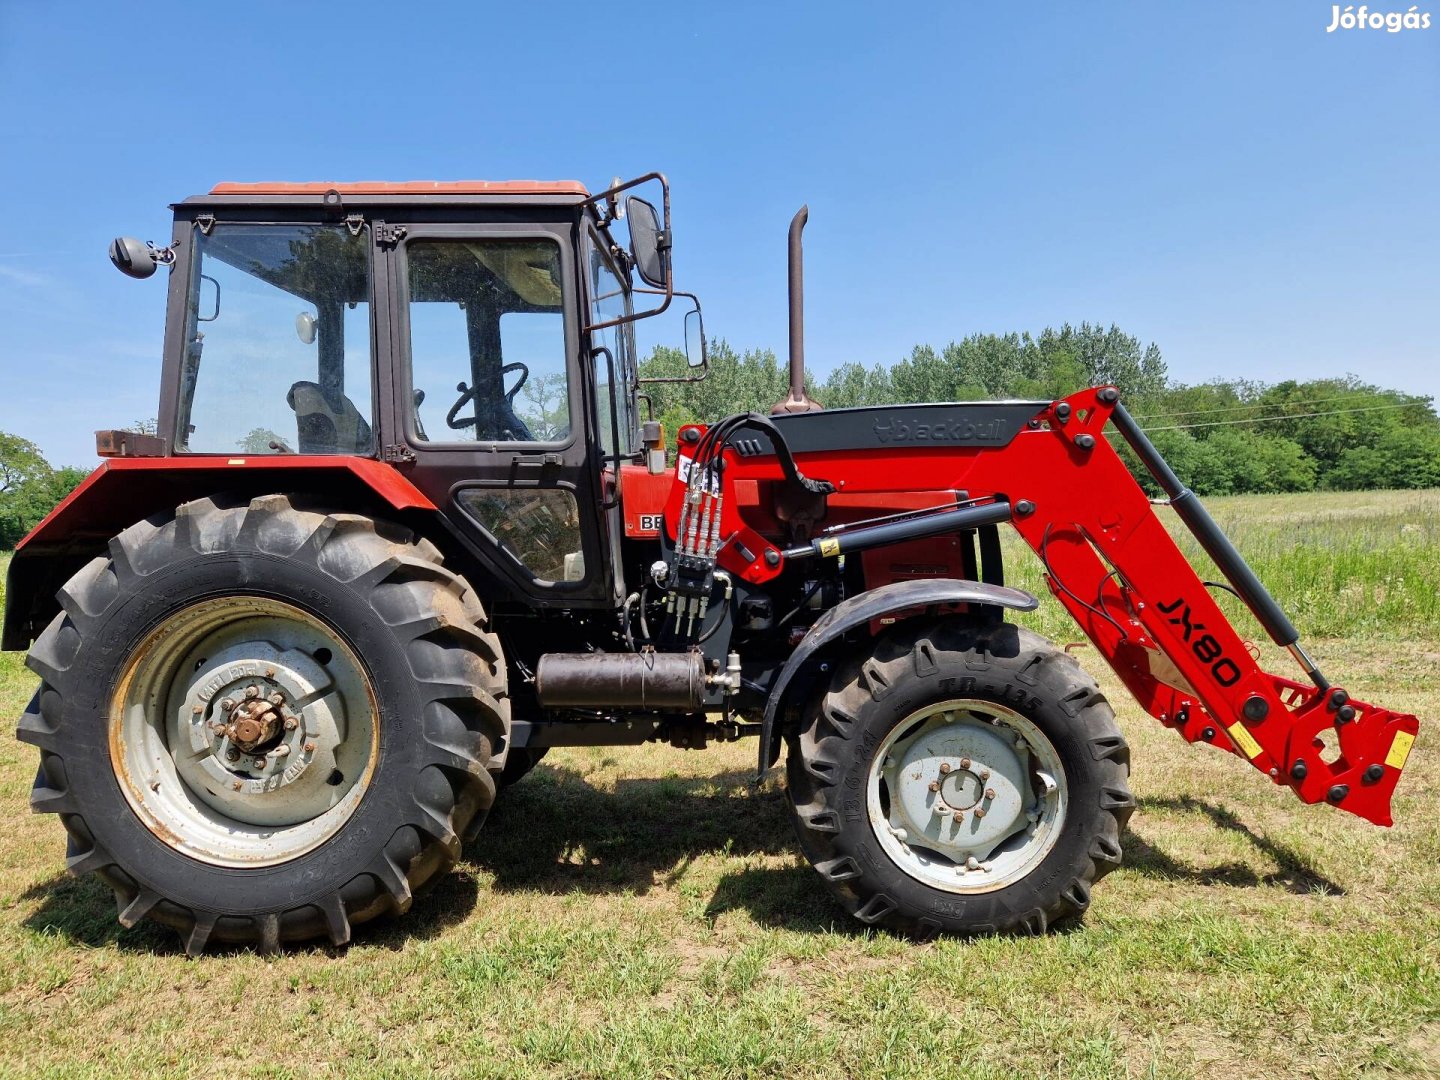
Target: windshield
277,340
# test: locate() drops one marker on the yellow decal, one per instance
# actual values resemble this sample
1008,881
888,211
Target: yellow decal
236,461
1244,740
1399,750
830,546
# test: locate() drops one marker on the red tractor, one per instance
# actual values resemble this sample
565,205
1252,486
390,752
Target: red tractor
403,527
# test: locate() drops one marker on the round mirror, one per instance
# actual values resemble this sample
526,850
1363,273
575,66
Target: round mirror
305,327
133,258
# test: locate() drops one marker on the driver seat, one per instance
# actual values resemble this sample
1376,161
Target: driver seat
325,427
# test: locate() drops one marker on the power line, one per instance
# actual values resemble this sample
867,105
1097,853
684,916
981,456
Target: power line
1258,405
1272,419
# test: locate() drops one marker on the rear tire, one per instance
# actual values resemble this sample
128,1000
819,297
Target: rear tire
337,805
991,721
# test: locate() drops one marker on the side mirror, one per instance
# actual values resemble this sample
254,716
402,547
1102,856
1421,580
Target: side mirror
649,245
305,328
695,323
138,260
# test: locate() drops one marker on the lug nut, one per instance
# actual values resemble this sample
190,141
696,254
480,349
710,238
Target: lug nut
984,775
979,811
197,709
227,703
237,785
944,767
291,723
277,698
934,785
964,763
232,755
309,747
217,727
989,793
260,763
252,691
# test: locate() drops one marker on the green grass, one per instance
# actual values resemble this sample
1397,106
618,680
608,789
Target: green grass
642,912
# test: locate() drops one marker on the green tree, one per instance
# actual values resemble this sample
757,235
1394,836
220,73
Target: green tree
29,487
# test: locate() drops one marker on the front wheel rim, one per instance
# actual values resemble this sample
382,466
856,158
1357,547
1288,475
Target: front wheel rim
967,796
244,731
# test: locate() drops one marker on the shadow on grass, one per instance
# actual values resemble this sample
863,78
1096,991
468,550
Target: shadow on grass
1296,873
81,911
555,833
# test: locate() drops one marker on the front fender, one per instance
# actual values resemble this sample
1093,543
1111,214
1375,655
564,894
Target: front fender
857,611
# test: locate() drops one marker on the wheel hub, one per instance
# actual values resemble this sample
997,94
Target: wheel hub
245,731
964,795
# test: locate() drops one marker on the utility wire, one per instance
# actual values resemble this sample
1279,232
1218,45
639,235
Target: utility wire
1257,405
1272,419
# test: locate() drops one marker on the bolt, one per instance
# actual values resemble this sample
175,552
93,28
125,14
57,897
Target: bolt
227,703
1338,698
972,863
269,672
217,727
1338,792
277,698
197,709
959,816
291,723
260,763
1299,770
979,811
1344,715
1274,773
1375,773
984,775
944,767
989,793
1085,442
934,785
232,755
964,763
237,785
1208,734
309,747
252,691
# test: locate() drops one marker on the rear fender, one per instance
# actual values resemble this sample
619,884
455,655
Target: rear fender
858,611
123,491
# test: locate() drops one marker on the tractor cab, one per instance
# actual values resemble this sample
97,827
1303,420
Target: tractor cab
478,335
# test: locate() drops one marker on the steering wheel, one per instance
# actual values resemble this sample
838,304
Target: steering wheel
497,419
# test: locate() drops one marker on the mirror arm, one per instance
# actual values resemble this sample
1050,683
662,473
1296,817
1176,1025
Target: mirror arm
665,231
704,365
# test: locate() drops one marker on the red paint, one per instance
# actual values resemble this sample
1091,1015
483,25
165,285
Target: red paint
1099,521
103,497
410,187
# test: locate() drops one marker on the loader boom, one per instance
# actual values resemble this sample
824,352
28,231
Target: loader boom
1111,562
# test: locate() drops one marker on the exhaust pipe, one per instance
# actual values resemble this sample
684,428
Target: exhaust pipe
798,401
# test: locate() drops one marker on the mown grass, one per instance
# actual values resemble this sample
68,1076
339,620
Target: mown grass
642,913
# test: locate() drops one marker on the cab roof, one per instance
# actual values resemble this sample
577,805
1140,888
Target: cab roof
409,187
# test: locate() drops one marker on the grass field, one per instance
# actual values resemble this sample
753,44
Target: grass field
643,912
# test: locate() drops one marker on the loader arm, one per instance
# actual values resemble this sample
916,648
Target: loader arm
1111,562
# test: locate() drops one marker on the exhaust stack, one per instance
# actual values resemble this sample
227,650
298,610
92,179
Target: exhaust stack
798,401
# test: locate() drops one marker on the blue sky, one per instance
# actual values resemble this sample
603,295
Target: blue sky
1227,179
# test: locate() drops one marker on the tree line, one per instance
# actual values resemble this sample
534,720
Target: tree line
1222,437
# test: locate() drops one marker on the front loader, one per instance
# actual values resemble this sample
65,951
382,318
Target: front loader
293,644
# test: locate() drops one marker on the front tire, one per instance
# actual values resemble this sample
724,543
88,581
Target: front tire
261,723
962,778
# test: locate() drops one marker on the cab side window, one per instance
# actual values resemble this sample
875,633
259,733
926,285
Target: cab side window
487,341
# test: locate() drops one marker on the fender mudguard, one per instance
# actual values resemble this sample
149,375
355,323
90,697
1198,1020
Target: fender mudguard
858,610
123,491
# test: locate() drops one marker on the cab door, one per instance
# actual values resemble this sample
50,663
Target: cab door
492,407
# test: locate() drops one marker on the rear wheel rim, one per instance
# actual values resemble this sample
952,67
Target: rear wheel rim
244,732
967,796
